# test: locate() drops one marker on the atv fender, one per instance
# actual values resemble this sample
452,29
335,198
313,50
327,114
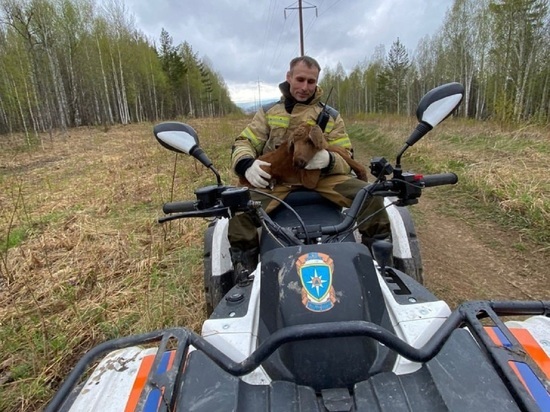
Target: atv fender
406,247
217,263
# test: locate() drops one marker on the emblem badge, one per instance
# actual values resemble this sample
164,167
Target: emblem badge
315,271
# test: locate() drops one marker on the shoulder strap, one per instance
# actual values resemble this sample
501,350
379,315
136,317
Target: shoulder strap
267,106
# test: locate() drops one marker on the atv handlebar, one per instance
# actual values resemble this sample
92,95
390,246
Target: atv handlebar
440,179
179,207
225,201
407,188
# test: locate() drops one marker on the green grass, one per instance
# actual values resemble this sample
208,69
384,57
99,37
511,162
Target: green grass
14,238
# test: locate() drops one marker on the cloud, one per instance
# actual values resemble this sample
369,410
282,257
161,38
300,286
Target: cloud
249,41
241,92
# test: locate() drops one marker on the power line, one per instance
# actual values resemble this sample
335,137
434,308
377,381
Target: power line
330,7
270,18
278,50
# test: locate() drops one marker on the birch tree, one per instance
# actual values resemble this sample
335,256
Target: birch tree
519,32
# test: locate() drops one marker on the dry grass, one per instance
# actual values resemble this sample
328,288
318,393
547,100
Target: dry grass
82,257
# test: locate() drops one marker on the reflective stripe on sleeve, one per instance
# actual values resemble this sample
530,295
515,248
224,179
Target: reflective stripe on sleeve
341,141
252,138
329,126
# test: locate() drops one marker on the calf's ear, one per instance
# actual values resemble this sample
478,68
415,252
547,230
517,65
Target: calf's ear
290,145
317,138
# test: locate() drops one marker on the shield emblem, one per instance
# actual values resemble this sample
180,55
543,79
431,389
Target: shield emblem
315,271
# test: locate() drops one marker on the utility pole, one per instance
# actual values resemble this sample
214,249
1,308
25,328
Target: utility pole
259,96
300,7
301,28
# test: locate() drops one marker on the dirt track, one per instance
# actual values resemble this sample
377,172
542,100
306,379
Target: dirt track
464,260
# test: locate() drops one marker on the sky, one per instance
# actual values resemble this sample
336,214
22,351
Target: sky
249,43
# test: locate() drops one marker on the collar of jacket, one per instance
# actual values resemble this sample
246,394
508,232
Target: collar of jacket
290,102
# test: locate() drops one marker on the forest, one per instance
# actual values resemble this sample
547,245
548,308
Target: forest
498,49
67,63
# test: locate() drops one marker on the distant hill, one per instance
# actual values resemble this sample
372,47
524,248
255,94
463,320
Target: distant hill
252,107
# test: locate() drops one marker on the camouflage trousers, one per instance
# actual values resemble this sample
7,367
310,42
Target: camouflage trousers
339,189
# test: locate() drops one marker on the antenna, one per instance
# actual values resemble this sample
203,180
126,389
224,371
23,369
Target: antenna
328,95
259,96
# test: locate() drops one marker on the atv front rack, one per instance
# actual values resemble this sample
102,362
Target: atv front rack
468,314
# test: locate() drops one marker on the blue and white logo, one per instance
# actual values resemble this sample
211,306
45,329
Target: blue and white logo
315,271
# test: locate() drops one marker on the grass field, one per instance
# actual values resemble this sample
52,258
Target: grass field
82,259
502,173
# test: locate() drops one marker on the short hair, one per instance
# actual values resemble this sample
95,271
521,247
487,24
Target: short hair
308,61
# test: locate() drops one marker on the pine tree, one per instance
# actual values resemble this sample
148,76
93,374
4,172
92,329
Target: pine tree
397,66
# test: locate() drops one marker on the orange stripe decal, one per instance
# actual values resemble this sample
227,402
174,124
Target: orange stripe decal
491,332
139,383
171,360
533,348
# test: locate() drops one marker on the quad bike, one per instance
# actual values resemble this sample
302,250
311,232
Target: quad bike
322,323
308,208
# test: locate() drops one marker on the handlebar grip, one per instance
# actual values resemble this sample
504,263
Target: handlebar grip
179,207
440,179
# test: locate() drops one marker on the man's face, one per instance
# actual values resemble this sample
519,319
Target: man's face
303,81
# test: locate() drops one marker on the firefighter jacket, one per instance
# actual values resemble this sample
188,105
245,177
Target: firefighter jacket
272,125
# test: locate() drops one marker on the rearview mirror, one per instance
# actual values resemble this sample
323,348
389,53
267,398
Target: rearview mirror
182,138
175,136
439,103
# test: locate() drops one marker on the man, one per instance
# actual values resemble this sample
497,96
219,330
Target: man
301,102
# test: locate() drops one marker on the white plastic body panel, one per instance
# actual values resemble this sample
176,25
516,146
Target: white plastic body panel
237,337
539,327
221,258
400,240
108,388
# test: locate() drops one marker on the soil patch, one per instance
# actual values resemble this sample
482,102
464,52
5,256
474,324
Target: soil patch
465,259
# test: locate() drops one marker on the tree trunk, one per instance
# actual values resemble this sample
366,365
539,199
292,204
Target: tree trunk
125,112
20,106
107,104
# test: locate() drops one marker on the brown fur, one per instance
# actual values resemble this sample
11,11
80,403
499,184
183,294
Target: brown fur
290,158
